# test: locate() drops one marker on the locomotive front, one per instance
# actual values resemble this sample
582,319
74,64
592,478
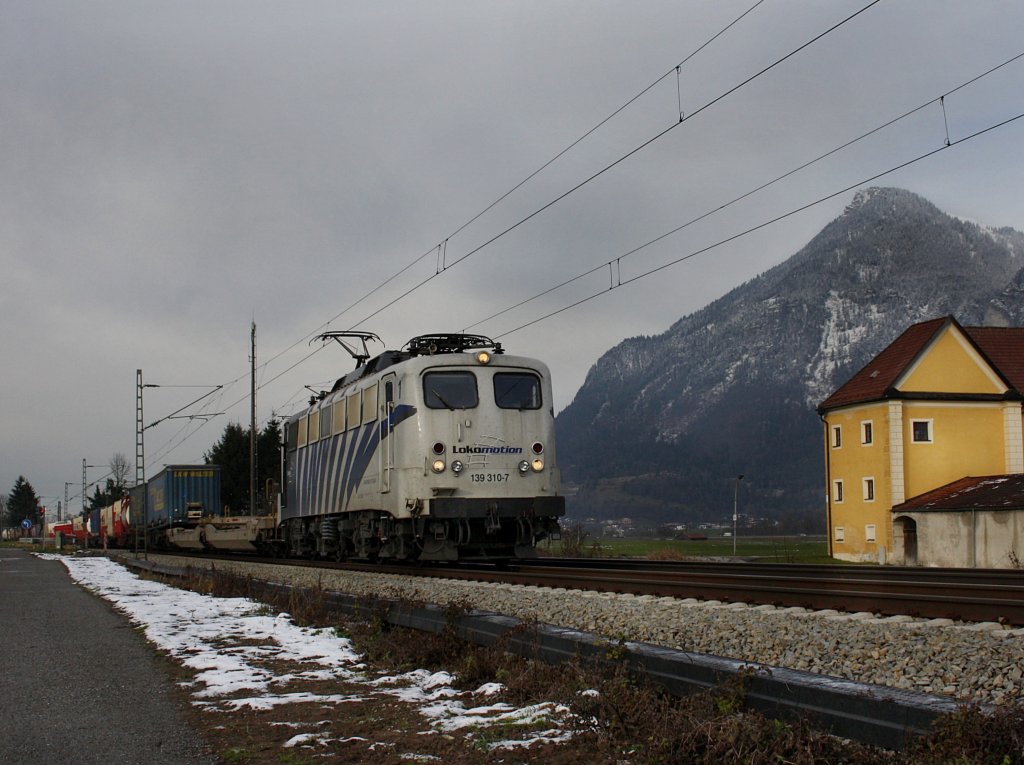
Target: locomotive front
489,483
442,451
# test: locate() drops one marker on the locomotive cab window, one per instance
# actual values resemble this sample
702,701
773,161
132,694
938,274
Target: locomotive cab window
517,390
450,390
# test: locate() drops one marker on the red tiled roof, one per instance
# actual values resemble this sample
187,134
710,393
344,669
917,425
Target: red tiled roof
871,382
993,492
1002,346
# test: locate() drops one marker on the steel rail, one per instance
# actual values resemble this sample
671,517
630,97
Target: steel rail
886,591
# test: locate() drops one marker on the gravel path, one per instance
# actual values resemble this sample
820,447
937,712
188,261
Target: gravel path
984,662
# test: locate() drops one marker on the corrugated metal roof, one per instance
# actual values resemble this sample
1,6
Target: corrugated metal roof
993,492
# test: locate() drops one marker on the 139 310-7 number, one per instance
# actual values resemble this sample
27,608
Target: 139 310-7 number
489,477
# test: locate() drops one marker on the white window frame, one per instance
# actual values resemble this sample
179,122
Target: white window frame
839,534
870,532
868,488
836,440
865,426
931,431
837,491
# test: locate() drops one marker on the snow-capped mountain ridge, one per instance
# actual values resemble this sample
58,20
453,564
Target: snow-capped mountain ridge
732,387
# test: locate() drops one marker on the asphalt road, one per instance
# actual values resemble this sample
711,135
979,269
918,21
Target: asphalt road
78,684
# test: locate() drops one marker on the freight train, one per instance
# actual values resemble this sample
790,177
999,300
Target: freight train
441,451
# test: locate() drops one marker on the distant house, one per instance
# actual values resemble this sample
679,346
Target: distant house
942,403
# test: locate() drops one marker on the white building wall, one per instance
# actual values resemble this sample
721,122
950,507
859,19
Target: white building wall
970,539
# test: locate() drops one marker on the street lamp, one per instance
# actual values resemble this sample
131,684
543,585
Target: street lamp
735,513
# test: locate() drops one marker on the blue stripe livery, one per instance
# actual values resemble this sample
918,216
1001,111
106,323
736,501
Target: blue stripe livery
328,472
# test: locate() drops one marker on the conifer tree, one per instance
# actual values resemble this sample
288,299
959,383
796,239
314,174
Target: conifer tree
22,503
231,453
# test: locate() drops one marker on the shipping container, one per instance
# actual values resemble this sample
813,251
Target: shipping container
179,495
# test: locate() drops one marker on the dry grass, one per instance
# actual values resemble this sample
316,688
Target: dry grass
625,721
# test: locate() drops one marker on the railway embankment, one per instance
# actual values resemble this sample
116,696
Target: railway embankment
981,662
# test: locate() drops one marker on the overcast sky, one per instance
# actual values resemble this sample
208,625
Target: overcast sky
173,171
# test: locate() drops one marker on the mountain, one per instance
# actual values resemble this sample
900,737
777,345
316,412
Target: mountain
663,425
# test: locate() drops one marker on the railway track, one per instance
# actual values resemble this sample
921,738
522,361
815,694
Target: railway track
878,714
960,594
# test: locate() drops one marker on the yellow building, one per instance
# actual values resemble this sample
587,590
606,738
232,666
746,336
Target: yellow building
941,403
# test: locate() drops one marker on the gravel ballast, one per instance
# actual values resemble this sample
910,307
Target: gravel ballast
981,662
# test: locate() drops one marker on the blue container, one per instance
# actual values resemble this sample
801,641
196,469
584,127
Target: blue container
179,495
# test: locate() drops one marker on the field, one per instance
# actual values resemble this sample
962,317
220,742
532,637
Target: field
806,549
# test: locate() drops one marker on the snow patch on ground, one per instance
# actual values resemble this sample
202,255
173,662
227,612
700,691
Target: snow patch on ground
228,642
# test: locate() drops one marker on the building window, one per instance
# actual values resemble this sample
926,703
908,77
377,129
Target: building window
869,532
867,435
837,490
840,533
921,431
869,489
837,436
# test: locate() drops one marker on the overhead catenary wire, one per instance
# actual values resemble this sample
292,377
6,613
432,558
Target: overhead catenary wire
764,224
620,160
441,249
803,166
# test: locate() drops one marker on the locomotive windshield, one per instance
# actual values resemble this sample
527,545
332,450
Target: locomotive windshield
516,390
450,390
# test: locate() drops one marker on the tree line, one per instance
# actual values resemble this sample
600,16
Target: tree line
230,452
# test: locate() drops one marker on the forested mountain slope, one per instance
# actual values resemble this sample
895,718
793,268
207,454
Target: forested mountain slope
663,425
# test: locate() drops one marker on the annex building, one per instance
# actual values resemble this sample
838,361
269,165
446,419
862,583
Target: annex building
924,450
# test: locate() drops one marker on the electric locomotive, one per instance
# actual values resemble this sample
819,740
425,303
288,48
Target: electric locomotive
441,451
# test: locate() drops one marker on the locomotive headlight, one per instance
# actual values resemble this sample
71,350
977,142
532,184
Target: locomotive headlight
483,357
537,465
524,467
437,466
457,467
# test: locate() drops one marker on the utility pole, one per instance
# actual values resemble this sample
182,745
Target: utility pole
139,514
85,518
252,428
735,512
